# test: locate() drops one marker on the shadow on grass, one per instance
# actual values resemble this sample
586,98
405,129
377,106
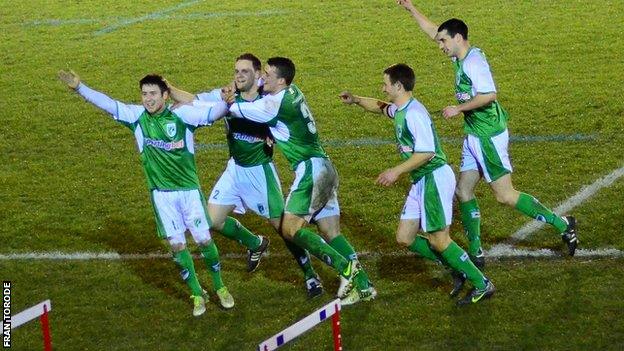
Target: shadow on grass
159,273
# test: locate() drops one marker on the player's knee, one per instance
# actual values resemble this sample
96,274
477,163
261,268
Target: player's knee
177,246
505,198
403,241
217,224
290,225
329,235
289,230
463,194
439,241
204,243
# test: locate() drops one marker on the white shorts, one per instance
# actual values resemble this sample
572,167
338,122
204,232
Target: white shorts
314,193
177,211
256,188
431,200
489,156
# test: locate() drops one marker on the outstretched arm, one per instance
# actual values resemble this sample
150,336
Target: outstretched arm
120,111
95,97
369,104
430,28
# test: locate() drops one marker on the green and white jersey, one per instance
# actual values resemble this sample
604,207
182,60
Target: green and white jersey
165,140
472,77
246,139
415,133
290,122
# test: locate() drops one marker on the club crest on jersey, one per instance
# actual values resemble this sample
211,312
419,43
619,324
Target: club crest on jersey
171,129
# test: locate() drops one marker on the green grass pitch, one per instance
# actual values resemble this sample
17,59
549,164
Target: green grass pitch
72,182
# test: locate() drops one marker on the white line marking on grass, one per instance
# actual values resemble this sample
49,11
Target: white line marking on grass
578,198
157,16
497,251
129,21
508,251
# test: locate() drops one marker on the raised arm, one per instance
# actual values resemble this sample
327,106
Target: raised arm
95,97
120,111
430,28
179,95
367,103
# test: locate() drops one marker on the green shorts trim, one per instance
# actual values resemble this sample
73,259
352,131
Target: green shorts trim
434,210
299,199
275,198
492,160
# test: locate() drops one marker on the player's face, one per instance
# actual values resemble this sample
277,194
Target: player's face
245,76
391,90
272,84
153,99
449,45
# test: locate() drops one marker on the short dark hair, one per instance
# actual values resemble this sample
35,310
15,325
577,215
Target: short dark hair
284,68
455,26
402,73
257,65
154,79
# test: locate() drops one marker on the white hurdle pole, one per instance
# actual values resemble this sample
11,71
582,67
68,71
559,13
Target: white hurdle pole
39,310
332,309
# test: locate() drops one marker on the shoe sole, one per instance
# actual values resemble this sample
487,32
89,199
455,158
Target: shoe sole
225,308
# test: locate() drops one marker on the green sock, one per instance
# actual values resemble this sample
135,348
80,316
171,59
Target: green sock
458,260
210,253
531,207
471,220
232,229
302,257
342,245
317,247
184,261
421,247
